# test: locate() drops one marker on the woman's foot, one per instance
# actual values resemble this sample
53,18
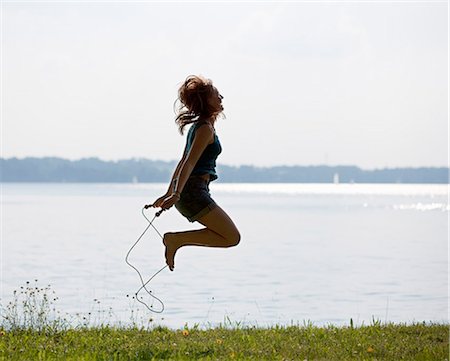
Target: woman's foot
171,248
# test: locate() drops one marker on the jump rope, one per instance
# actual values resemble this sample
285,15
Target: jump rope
144,284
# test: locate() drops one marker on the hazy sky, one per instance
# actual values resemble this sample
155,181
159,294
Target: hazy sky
340,83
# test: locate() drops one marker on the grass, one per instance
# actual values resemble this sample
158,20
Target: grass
31,330
374,342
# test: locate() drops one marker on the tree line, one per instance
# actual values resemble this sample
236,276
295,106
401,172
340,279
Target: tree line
52,169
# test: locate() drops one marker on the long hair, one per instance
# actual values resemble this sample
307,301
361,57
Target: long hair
192,101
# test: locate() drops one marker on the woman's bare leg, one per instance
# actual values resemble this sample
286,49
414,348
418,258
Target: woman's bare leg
220,231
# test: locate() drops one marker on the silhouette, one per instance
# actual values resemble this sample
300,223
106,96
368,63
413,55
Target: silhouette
200,106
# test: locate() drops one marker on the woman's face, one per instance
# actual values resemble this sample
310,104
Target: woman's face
215,100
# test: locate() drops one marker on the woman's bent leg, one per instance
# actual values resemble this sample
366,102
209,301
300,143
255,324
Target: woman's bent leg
220,231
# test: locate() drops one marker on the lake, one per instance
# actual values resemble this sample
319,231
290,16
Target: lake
319,253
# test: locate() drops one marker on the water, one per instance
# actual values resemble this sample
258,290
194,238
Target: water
322,253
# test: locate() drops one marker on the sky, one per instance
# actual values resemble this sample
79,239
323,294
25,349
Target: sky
328,83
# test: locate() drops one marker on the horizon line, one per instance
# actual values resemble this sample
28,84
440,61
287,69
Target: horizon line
228,165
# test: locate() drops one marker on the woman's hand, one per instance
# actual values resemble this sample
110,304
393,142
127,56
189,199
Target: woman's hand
165,202
170,201
159,201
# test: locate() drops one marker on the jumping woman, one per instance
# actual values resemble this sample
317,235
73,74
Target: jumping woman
200,106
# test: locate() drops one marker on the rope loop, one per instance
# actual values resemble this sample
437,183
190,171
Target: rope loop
144,284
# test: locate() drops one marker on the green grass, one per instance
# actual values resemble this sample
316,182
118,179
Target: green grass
374,342
31,329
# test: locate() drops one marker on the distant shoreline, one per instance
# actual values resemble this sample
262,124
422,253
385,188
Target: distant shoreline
94,170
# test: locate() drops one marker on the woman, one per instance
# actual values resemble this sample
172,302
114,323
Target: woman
200,105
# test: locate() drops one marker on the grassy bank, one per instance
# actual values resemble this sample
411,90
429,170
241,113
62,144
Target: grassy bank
31,328
374,342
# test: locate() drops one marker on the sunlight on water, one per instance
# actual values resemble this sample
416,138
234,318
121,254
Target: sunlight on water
307,188
349,189
423,206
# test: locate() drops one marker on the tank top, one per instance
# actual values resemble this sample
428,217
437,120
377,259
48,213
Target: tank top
206,164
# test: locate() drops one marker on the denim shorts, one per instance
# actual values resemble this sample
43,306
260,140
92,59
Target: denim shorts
195,199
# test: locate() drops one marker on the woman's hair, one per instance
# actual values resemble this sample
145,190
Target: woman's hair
193,98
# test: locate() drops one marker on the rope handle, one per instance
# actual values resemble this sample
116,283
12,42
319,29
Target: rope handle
157,214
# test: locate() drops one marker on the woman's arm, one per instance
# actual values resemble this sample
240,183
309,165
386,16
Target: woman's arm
203,137
176,175
172,185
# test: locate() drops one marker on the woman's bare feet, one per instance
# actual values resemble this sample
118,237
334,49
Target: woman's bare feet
170,241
